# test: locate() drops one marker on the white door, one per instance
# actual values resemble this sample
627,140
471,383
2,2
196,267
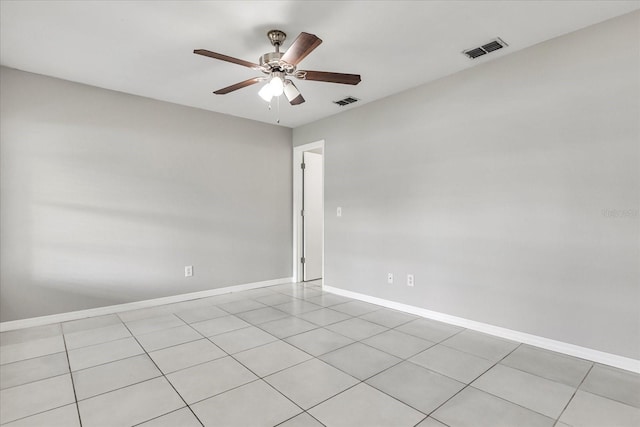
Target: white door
313,211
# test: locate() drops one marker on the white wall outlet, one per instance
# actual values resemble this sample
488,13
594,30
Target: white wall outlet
390,278
188,271
339,212
409,279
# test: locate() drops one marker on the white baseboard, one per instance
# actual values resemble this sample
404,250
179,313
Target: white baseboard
100,311
621,362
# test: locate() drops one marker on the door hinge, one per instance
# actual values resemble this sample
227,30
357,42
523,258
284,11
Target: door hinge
303,260
302,212
302,166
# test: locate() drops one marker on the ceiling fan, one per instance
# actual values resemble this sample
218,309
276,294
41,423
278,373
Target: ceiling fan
278,66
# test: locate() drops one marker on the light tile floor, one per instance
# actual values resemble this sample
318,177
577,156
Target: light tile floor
294,356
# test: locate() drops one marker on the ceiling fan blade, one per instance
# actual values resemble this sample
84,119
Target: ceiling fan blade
222,57
292,93
323,76
302,46
237,86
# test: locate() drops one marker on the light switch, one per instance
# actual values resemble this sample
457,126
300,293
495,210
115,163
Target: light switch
339,212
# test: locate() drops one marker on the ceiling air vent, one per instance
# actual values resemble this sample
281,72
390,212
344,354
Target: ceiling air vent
346,101
493,45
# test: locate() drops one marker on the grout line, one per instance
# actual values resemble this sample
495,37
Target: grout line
165,378
573,395
259,378
43,412
160,416
73,384
470,382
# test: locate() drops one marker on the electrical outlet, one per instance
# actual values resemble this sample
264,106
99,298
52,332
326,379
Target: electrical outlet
409,279
390,278
188,271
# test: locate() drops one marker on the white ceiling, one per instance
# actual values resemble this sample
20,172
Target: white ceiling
146,47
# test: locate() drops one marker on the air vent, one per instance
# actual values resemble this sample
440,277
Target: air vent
346,101
493,45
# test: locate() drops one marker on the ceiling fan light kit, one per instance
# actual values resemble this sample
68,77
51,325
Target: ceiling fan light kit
277,66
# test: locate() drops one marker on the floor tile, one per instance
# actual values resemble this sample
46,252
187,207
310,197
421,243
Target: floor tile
29,334
417,387
548,364
241,306
224,298
288,326
318,341
456,364
356,329
98,354
182,356
417,365
187,305
615,384
30,399
201,313
589,410
180,418
39,368
256,293
168,337
153,324
327,300
302,292
254,404
398,343
388,318
429,330
29,349
355,308
64,416
297,307
98,335
144,313
220,325
302,420
324,316
202,381
130,405
363,405
483,345
90,323
431,422
536,393
360,360
475,408
111,376
242,339
270,358
262,315
311,382
274,299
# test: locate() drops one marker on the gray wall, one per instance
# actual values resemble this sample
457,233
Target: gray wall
105,197
490,186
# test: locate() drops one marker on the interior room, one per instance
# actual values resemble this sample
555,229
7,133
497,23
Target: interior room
320,213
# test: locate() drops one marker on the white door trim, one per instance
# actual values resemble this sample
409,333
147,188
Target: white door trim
297,206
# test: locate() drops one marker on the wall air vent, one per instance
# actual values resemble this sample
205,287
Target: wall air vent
346,101
493,45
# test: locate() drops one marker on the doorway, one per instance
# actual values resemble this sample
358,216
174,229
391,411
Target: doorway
308,212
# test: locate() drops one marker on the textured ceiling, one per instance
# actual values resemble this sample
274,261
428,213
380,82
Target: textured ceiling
145,47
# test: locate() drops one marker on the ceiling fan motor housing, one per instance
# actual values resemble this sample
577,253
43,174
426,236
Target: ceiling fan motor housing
272,59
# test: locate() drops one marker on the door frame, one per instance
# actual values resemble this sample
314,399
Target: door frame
297,207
